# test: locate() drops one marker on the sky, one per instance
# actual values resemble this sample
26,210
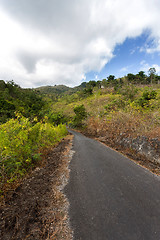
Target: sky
72,41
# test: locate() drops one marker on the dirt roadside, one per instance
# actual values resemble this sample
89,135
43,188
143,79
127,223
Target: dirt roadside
38,209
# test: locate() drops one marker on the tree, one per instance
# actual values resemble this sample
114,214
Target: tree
141,77
111,78
57,118
83,85
112,81
91,84
81,114
152,73
2,85
104,83
142,74
131,78
87,92
98,84
157,79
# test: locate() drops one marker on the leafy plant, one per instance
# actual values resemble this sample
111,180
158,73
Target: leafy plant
21,145
57,118
146,97
81,114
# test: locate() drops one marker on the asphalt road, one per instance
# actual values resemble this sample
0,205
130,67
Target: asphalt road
111,197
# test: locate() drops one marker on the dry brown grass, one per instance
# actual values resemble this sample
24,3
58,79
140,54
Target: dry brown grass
121,128
124,124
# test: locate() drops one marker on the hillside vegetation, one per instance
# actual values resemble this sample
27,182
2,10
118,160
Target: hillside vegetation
139,105
26,134
121,112
108,100
124,113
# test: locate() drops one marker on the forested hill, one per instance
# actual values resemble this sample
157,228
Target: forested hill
60,90
29,103
14,99
57,89
39,102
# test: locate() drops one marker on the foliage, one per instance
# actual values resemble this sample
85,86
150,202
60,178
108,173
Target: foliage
57,89
146,97
81,114
57,118
86,92
21,145
115,104
117,107
91,84
129,92
131,78
111,81
15,99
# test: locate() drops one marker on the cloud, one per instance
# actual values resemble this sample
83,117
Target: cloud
58,42
145,67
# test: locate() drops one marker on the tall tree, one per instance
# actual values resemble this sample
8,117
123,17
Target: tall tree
131,78
111,80
141,77
152,74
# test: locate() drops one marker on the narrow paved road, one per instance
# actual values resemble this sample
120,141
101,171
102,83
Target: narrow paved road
111,198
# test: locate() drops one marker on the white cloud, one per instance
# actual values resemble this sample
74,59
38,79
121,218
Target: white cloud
124,69
145,67
58,42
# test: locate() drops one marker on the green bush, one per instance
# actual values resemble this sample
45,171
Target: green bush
57,118
21,144
146,97
81,114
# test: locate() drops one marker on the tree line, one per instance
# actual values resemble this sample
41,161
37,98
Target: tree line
139,78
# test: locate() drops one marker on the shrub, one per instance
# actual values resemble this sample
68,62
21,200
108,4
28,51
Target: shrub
146,97
21,145
56,118
81,114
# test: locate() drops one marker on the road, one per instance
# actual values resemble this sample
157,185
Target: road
111,197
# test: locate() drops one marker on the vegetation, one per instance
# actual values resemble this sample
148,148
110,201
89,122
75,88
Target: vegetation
15,99
132,98
21,145
27,130
32,120
80,115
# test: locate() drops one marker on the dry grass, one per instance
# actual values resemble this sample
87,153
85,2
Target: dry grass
119,131
124,124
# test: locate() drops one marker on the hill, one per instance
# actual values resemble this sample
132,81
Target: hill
126,116
57,89
14,99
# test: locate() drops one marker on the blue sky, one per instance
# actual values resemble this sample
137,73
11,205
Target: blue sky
67,42
129,57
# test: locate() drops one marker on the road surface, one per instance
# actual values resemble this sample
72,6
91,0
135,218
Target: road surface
111,197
